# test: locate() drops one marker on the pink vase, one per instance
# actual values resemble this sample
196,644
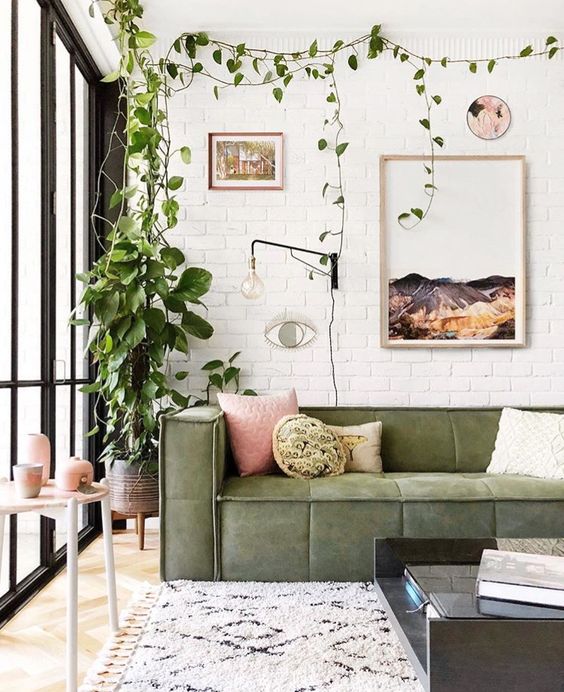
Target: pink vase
72,473
39,452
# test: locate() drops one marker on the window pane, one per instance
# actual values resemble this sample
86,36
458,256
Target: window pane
29,536
63,209
5,418
29,179
81,444
82,211
6,190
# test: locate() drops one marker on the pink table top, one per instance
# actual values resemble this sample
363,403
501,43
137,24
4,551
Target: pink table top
50,496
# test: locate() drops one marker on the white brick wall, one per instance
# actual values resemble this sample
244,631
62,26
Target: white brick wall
380,112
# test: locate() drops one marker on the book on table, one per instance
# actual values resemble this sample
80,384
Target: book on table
521,577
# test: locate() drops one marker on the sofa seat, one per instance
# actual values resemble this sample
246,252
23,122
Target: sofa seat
323,528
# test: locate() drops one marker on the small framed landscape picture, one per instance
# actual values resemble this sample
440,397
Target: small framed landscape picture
457,278
245,161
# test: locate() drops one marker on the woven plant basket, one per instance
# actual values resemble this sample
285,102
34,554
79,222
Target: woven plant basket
132,492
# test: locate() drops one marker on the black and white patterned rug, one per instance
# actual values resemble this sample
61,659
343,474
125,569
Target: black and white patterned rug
267,637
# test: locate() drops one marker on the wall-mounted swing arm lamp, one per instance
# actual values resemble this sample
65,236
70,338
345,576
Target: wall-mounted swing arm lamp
253,287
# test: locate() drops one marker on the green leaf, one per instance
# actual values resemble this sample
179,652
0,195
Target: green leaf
238,78
202,38
197,326
230,374
90,388
404,57
217,56
444,62
437,99
428,170
403,216
419,74
172,257
179,399
256,67
112,77
278,94
213,365
439,141
340,200
93,431
249,392
550,40
324,189
193,284
375,31
143,115
216,92
527,50
136,333
428,61
144,39
175,182
186,154
331,98
181,374
324,259
322,144
420,89
323,236
106,308
198,67
313,49
425,122
155,319
473,67
79,322
240,49
116,198
216,380
172,69
552,52
491,65
84,277
340,148
429,186
417,212
234,356
353,62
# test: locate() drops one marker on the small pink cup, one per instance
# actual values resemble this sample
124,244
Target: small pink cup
28,479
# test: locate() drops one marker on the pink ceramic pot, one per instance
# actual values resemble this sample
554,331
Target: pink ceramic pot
28,479
70,474
39,452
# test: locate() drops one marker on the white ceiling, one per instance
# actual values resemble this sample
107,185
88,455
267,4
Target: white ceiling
170,17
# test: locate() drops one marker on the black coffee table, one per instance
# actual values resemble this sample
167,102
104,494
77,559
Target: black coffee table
453,645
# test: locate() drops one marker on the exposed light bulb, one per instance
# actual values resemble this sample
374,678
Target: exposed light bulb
252,286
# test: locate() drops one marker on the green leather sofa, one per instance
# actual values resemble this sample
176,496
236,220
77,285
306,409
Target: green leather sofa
216,525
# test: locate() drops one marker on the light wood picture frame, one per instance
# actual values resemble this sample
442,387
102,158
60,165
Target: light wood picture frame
246,161
458,278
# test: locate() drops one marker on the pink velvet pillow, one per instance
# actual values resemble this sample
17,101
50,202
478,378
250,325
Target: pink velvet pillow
250,421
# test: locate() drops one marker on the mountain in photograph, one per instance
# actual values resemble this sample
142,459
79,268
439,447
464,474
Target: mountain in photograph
435,309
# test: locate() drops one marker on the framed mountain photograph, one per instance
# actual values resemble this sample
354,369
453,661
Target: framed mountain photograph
456,278
245,161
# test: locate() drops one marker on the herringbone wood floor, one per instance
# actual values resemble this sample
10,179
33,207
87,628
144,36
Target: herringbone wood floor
32,644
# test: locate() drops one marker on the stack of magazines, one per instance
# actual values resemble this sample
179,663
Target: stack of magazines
521,578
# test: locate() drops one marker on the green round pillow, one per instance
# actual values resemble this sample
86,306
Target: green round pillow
305,447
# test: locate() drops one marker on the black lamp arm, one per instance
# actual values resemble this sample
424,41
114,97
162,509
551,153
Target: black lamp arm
333,257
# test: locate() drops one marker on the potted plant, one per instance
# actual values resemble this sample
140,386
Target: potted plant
137,294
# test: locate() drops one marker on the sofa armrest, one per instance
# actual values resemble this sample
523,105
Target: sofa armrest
192,467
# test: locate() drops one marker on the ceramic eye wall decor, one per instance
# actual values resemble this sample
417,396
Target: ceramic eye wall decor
290,331
488,117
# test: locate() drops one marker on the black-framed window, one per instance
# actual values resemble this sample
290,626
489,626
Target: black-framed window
53,132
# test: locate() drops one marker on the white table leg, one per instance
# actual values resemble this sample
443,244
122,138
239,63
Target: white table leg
72,593
109,560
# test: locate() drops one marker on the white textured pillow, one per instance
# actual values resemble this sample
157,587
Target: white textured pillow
529,444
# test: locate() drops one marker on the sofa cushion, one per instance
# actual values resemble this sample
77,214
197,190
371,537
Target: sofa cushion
460,487
264,488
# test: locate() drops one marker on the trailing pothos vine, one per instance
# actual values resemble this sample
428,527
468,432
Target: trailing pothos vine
148,83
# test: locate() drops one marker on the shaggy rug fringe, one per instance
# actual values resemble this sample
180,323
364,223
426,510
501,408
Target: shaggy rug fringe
107,670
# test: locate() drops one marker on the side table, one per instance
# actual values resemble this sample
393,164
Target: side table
63,506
